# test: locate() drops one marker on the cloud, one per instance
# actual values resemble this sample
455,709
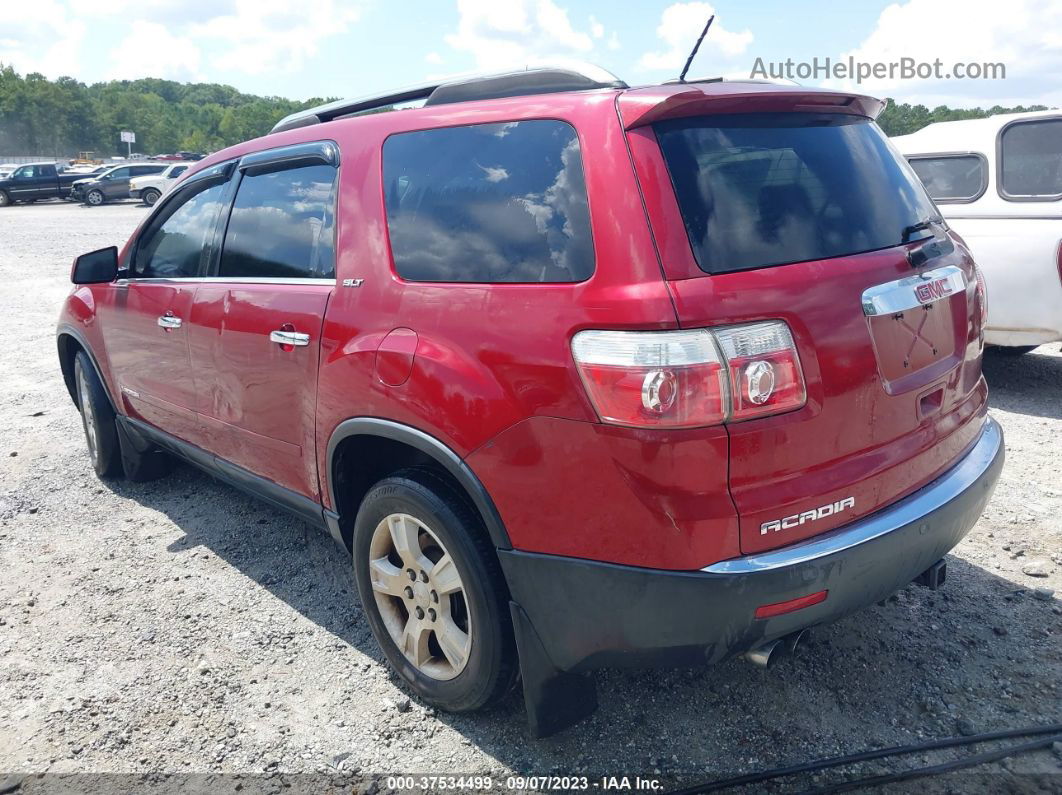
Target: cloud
43,37
1023,34
679,27
151,50
433,58
501,35
274,35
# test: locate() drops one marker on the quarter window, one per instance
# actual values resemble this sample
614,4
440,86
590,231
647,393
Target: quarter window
488,203
282,225
1030,160
177,240
952,178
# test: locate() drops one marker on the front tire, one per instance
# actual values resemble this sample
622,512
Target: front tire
432,589
97,419
94,198
150,196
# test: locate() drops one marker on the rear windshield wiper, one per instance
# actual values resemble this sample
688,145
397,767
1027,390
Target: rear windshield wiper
905,235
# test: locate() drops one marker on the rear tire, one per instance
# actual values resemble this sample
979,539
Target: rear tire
5,200
97,418
150,196
458,651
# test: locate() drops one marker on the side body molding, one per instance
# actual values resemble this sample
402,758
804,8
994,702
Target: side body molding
431,447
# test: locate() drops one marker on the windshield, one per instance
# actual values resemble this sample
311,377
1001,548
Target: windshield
774,188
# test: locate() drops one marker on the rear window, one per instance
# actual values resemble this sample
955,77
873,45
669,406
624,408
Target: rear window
952,178
765,189
1030,159
488,203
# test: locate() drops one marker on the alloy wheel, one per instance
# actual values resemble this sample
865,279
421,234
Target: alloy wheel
420,596
88,416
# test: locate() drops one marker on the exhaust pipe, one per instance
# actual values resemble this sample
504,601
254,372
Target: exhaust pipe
769,653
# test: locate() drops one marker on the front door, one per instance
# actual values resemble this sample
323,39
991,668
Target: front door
255,328
145,315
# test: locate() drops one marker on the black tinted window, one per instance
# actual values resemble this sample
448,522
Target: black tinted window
488,203
767,189
174,244
178,170
140,171
281,225
952,178
1031,158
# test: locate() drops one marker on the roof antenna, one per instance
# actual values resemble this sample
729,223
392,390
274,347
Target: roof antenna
697,46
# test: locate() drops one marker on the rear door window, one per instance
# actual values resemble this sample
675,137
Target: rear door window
488,203
765,189
952,178
1030,160
282,225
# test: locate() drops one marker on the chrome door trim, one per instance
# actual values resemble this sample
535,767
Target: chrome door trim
282,337
224,280
903,294
901,514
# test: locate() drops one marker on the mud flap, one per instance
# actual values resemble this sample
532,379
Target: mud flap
554,699
141,460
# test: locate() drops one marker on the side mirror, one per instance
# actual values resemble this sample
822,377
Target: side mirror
96,267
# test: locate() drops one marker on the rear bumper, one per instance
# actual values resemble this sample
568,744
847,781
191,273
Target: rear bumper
589,614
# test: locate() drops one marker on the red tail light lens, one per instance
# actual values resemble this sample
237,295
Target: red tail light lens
687,379
982,298
662,379
765,373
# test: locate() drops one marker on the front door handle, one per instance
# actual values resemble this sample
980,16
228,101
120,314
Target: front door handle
169,321
282,337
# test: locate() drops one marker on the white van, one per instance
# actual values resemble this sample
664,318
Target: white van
998,182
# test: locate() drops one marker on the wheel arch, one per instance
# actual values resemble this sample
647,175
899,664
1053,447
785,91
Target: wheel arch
402,446
69,343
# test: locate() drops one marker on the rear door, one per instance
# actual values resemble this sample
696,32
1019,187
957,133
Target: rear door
145,317
256,323
811,218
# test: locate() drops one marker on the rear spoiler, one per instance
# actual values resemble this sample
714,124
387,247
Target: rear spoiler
641,107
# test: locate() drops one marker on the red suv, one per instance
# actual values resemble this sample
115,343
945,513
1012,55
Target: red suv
581,375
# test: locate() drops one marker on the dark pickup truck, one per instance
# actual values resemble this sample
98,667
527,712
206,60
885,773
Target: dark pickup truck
33,181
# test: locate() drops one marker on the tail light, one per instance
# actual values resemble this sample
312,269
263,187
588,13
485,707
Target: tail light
1058,260
686,379
982,296
672,379
765,373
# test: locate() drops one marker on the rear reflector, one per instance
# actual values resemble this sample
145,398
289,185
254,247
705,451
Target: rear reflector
779,608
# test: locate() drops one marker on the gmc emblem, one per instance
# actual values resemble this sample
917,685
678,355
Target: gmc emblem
933,291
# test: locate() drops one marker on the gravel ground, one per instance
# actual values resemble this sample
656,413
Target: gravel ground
180,627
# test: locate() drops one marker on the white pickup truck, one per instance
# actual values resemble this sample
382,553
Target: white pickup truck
149,189
998,183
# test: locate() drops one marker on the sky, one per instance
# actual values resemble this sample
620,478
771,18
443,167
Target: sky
349,48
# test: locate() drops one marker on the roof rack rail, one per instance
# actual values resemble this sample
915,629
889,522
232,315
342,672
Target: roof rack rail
464,88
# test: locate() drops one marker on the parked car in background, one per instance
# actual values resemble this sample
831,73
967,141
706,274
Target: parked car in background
167,158
34,181
148,189
637,377
112,183
998,182
6,169
193,156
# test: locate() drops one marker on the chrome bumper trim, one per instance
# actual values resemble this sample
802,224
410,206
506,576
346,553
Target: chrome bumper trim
905,512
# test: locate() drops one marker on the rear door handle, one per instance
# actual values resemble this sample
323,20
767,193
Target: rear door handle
169,321
282,337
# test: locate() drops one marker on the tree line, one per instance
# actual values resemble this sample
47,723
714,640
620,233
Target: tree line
62,117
